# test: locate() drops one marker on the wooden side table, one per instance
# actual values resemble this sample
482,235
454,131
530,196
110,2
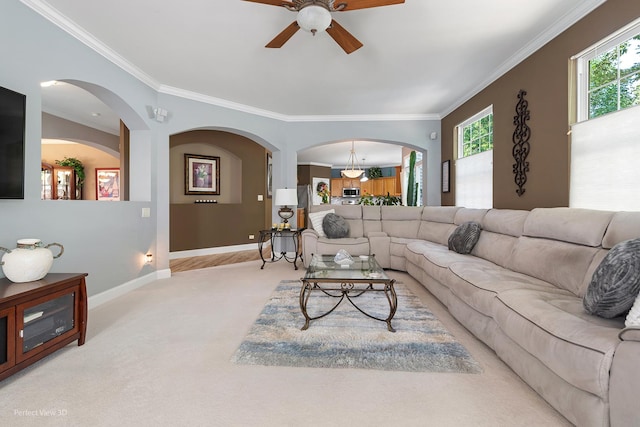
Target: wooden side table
285,234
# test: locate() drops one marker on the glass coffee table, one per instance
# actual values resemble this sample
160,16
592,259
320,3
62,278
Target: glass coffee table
341,282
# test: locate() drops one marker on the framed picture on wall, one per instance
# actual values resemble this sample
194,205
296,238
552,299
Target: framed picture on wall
202,174
269,175
446,175
108,184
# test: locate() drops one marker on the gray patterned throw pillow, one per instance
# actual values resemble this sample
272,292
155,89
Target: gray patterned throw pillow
335,226
615,284
465,237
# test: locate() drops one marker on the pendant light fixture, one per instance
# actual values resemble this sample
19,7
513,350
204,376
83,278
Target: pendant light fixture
350,170
364,178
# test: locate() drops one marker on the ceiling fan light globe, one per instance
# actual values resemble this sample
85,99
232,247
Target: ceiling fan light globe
314,19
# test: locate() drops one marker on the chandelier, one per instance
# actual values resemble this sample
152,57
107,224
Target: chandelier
350,170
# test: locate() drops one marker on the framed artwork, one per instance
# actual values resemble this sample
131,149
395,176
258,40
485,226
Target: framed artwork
446,175
202,174
269,175
107,184
320,191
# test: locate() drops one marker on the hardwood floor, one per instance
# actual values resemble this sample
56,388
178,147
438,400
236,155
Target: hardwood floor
194,263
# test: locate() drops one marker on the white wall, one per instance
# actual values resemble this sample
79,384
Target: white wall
108,240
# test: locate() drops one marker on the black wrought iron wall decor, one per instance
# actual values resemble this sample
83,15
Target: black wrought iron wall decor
521,145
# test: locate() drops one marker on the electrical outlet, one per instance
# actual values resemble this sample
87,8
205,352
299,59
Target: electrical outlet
251,237
260,197
146,212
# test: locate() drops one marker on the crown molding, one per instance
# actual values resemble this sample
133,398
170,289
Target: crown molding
206,99
561,25
52,15
325,165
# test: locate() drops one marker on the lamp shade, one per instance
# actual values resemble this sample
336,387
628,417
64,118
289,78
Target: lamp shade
314,19
286,197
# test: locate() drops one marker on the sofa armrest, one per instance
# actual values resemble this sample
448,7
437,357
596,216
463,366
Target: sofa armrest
624,380
380,246
309,240
631,333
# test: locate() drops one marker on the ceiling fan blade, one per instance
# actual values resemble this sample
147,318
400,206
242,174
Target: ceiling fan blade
364,4
284,36
272,2
343,37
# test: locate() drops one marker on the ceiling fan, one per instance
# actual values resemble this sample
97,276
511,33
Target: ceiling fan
315,16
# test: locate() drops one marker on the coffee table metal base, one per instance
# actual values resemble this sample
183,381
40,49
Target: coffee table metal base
348,291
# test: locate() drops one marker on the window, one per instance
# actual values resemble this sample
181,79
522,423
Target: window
609,74
476,134
474,164
604,142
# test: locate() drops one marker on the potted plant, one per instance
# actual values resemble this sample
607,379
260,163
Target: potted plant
374,172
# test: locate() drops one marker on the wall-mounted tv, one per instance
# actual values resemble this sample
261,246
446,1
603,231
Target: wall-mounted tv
12,125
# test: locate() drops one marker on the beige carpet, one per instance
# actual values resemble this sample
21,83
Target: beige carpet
160,356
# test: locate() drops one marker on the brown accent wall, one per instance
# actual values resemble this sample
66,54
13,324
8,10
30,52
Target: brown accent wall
306,173
198,226
545,77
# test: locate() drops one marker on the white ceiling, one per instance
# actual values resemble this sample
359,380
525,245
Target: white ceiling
420,59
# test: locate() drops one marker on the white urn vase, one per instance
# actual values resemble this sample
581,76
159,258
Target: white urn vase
30,261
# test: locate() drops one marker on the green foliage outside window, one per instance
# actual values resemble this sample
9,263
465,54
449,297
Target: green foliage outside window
614,78
477,137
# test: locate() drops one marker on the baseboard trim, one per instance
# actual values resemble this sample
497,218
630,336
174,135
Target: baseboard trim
213,251
113,293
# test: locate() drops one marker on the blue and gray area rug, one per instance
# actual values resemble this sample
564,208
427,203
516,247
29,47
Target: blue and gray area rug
348,339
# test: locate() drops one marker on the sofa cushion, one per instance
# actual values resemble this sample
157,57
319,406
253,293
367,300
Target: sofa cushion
465,237
353,245
555,329
623,226
335,226
616,282
562,264
581,226
469,214
316,219
478,283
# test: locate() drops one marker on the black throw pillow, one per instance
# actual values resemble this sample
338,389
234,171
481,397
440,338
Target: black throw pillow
615,284
335,226
465,237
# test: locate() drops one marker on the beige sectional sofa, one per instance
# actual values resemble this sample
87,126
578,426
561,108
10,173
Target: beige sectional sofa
520,291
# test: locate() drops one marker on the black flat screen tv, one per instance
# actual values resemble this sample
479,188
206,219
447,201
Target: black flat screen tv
12,125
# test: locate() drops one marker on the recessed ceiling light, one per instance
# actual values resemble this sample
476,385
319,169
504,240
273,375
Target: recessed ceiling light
96,114
49,83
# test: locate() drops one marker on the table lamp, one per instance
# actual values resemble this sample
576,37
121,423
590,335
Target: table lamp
286,197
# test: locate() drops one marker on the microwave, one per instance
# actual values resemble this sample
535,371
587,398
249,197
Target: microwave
350,192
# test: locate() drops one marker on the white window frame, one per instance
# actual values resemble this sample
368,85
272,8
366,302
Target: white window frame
478,116
582,64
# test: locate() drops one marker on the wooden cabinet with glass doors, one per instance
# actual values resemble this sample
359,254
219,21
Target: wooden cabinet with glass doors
58,182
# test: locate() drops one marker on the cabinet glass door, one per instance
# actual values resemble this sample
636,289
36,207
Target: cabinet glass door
65,187
46,178
45,321
7,339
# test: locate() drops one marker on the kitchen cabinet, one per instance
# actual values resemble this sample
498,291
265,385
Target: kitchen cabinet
336,187
375,187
